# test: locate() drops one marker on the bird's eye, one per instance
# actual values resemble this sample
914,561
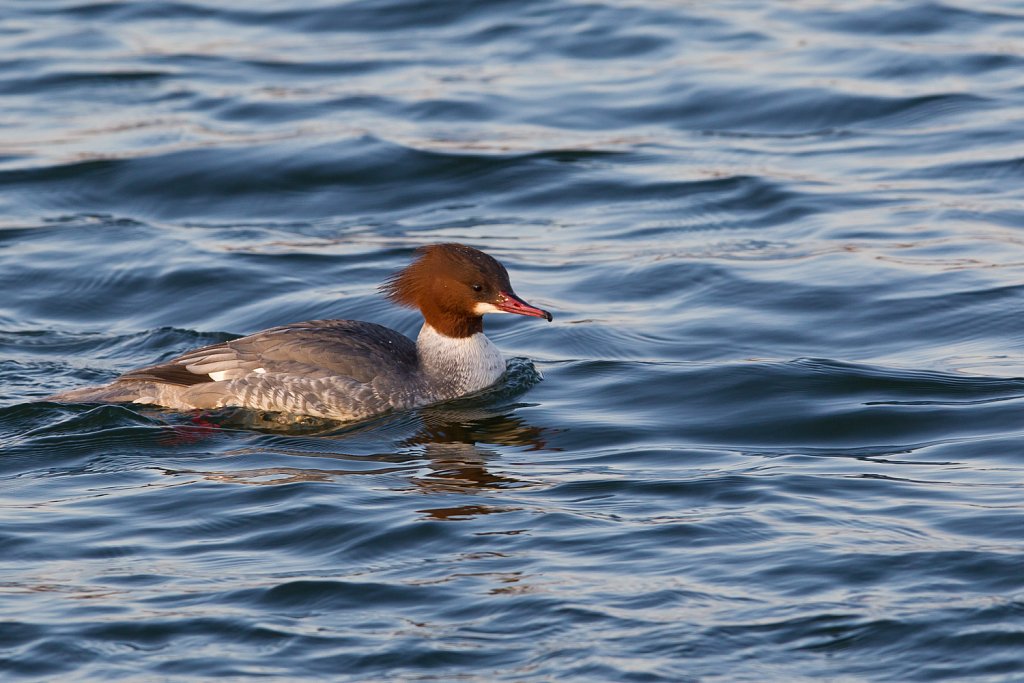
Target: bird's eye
478,288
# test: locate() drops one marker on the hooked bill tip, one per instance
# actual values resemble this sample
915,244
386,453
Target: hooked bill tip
510,303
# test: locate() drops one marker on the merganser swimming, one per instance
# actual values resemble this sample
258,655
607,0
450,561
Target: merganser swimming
347,369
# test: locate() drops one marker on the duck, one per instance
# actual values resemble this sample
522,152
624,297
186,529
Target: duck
346,369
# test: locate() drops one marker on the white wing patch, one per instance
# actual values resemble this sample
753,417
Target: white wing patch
222,375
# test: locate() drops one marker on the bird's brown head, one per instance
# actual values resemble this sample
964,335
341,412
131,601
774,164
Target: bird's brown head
453,285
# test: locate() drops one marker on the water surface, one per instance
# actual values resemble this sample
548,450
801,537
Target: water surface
774,432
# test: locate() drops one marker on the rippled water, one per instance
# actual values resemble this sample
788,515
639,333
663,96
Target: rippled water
779,434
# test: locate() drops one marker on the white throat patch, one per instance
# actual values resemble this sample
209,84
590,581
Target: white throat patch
484,307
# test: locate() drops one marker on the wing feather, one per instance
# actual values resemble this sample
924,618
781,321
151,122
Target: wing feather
316,349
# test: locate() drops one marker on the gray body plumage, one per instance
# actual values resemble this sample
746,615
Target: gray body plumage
334,369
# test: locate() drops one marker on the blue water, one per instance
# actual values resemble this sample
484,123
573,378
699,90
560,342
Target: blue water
776,431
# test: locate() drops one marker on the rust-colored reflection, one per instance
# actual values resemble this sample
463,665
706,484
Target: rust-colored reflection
477,425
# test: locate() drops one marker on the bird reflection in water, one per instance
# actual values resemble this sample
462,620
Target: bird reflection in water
454,441
456,438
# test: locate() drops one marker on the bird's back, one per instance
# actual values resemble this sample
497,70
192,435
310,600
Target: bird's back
338,369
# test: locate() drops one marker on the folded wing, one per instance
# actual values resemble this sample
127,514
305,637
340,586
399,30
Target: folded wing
317,349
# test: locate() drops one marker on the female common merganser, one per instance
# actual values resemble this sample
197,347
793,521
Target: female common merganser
347,369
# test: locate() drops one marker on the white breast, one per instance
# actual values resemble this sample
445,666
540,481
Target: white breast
459,365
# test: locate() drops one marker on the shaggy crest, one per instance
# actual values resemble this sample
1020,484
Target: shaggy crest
409,286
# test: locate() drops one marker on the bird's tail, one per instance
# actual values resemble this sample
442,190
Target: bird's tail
115,392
